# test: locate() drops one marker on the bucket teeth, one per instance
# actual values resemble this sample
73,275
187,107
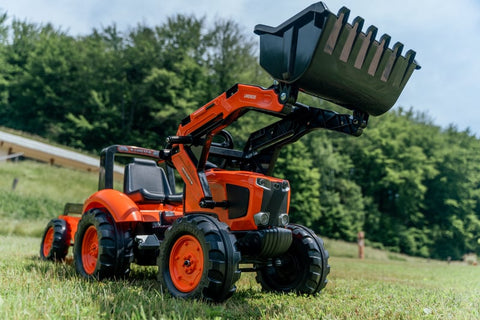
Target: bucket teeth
349,43
353,31
338,25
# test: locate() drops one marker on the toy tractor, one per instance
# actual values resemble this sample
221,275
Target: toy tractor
232,215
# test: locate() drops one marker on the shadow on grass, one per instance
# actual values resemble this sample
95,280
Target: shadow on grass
246,303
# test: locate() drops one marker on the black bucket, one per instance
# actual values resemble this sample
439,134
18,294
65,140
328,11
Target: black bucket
321,54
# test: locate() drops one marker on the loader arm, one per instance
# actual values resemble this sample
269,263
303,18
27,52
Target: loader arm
199,128
263,146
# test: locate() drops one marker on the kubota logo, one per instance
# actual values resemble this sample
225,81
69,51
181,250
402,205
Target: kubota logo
250,96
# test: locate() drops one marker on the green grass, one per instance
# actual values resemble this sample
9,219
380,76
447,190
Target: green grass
40,194
383,286
369,289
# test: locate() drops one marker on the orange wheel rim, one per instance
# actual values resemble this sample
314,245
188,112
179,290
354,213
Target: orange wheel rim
186,263
90,250
48,242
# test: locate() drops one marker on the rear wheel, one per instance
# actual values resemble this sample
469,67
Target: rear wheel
55,241
198,259
101,249
302,269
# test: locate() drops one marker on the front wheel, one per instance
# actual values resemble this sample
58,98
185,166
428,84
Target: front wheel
198,259
302,269
55,241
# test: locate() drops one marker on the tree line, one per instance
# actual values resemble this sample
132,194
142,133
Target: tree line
411,185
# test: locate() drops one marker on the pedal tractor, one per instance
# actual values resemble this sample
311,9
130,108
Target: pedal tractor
231,211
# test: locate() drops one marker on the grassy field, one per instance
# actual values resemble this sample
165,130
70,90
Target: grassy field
369,289
40,194
383,286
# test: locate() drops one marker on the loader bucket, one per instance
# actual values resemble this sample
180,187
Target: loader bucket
323,55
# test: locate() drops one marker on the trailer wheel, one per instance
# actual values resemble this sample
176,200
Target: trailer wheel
199,259
55,241
101,250
302,269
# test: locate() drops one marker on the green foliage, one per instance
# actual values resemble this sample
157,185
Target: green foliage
423,183
295,163
112,87
341,202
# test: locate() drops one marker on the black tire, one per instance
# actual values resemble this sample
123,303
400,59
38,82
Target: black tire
55,241
114,251
217,261
303,268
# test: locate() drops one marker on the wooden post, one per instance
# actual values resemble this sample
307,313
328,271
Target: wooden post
361,244
14,184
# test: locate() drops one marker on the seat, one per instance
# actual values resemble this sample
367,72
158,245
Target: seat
145,181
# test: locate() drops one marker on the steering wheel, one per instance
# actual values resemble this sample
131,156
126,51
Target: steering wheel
223,139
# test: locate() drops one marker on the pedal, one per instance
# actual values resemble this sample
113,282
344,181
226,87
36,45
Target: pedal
147,242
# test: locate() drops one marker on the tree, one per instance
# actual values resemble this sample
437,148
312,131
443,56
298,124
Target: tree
229,55
341,200
452,200
3,49
296,164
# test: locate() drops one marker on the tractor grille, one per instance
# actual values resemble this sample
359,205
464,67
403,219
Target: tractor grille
275,199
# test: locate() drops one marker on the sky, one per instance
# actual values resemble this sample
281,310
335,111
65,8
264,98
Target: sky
445,35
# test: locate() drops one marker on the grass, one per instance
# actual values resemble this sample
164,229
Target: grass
40,194
368,289
383,286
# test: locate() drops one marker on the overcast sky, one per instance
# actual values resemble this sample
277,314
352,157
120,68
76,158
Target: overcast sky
445,35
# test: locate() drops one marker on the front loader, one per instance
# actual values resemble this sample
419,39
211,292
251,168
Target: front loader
232,215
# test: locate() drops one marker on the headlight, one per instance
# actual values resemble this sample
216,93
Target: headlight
283,219
264,183
261,218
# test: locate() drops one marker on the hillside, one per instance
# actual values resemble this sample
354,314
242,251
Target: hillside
40,194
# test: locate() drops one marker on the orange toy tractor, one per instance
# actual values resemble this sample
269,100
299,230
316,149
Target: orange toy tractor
232,212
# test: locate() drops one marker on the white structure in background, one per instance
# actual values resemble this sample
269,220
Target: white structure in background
12,145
